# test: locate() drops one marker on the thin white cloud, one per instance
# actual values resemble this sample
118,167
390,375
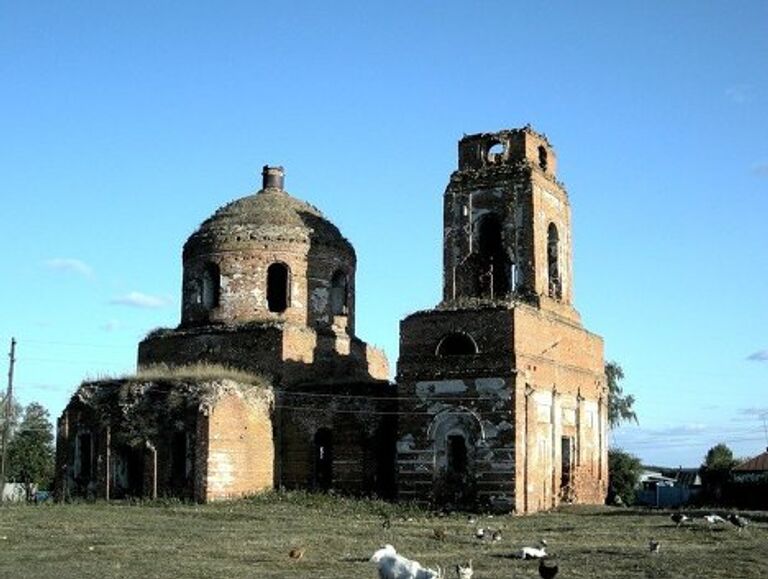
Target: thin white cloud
681,430
141,300
759,356
739,93
110,326
70,265
760,169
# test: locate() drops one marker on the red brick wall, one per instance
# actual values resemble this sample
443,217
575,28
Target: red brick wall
240,450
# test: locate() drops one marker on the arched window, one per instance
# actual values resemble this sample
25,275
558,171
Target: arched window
278,287
553,266
323,458
339,293
495,153
211,286
543,157
494,261
457,344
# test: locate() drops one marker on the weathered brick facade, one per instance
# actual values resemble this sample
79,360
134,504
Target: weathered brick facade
500,398
159,438
502,390
268,289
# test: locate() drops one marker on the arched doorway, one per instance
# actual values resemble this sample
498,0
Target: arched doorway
455,434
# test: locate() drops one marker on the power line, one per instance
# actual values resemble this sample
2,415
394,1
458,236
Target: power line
8,414
78,344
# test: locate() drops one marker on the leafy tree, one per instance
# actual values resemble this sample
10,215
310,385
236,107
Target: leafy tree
716,471
30,452
619,404
623,475
7,436
15,416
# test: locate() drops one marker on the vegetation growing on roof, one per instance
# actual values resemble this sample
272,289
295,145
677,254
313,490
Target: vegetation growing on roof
143,406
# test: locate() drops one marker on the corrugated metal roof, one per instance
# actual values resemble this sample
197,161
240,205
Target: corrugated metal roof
756,464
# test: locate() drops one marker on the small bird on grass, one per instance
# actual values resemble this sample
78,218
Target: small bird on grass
678,518
296,553
386,523
465,571
539,552
496,536
654,546
438,534
739,522
480,533
547,571
714,519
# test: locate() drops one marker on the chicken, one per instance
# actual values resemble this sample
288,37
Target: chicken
737,521
678,518
547,571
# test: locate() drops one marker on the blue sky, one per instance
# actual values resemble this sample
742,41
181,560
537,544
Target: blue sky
124,125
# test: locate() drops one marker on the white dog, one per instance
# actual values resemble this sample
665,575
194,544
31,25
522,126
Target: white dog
394,566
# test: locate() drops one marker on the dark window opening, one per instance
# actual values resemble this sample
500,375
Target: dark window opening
323,459
494,276
127,471
278,284
85,444
457,344
211,286
339,294
179,458
457,454
555,284
566,449
543,157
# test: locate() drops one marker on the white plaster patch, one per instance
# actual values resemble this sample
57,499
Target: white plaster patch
295,303
406,444
493,386
507,465
258,295
318,301
543,397
543,412
552,199
424,389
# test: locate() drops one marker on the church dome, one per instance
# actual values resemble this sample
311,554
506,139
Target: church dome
270,214
268,257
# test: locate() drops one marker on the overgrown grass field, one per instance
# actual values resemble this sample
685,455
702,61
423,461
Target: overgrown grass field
253,538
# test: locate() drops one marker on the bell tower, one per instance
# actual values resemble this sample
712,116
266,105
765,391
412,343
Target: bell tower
507,224
502,390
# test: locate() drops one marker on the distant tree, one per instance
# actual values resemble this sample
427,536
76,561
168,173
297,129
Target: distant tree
623,475
30,452
7,435
619,404
18,409
716,471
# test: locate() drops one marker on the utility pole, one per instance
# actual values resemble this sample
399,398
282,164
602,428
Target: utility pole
8,416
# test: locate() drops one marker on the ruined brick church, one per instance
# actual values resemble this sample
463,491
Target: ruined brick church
499,401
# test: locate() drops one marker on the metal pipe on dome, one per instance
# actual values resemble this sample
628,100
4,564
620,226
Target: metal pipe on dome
273,177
